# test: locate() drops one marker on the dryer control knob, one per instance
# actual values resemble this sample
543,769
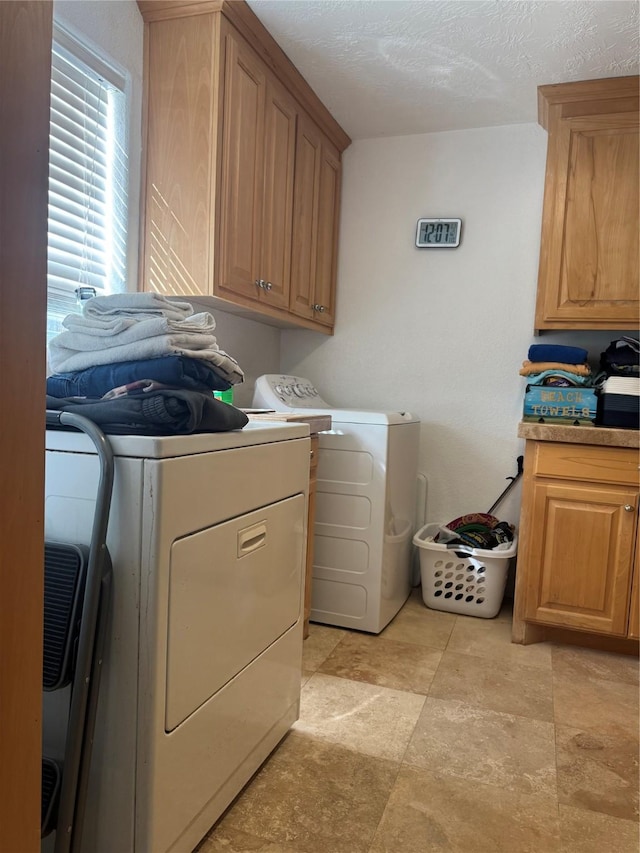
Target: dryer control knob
298,390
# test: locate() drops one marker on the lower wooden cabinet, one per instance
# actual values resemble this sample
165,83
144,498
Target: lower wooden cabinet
578,537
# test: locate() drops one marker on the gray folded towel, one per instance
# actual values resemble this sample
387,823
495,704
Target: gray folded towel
135,304
90,334
63,359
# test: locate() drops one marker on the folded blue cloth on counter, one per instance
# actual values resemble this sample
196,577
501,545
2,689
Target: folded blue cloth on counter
162,412
177,370
558,353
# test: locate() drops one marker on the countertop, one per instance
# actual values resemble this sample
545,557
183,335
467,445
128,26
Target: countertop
605,436
316,423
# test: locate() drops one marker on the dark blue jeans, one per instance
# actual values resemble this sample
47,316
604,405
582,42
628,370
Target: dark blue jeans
176,370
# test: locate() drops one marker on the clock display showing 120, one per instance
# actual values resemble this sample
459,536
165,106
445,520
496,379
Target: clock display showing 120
438,233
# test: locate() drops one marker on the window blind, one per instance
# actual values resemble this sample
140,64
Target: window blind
87,182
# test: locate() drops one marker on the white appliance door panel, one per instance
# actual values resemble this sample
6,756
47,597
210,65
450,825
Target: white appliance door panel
233,589
192,493
199,767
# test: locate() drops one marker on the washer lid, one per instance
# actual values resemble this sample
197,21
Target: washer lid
166,446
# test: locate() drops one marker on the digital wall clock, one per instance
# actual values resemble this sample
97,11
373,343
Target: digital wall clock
438,233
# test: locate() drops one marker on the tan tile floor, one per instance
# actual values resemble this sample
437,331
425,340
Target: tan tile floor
438,735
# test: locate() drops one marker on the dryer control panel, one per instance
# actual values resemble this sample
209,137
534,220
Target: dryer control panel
281,392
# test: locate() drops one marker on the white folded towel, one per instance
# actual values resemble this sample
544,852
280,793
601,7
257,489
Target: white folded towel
191,345
135,304
85,333
622,385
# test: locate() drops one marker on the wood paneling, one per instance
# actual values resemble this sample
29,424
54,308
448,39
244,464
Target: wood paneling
586,462
316,211
25,62
180,139
277,201
634,610
305,223
588,97
241,190
328,223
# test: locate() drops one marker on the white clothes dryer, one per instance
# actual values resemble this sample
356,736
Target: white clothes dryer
365,505
201,673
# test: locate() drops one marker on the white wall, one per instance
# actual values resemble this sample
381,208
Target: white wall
440,332
114,30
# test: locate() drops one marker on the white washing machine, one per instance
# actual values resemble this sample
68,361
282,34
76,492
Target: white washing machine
365,506
201,675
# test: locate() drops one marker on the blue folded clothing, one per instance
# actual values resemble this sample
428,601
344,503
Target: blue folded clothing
178,371
558,353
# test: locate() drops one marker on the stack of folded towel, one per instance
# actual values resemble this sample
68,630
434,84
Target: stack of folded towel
554,373
137,344
558,365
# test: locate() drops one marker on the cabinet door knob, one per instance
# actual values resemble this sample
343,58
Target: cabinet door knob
267,285
318,308
628,508
260,283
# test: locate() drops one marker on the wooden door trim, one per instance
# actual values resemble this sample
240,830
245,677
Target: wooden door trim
25,78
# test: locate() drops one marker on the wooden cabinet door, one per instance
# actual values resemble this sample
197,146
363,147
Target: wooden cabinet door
180,109
327,247
305,218
277,201
242,170
580,548
588,275
634,611
315,225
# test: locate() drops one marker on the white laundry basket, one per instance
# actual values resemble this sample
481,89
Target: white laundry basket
469,581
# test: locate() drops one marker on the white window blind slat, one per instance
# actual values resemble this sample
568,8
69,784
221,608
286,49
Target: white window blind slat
71,210
87,180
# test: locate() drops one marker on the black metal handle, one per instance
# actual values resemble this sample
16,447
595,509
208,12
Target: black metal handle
86,679
513,480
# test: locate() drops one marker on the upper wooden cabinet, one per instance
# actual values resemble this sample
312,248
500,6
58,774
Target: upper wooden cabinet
589,275
236,209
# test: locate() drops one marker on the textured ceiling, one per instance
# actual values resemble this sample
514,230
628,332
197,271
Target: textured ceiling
395,67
